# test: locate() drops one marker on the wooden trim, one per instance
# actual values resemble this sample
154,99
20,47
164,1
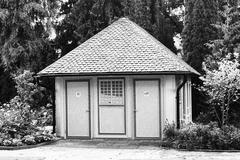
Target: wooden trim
160,121
147,138
79,137
124,81
89,107
118,73
111,105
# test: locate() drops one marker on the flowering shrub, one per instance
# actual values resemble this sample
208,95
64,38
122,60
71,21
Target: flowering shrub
198,136
20,125
222,85
21,120
28,91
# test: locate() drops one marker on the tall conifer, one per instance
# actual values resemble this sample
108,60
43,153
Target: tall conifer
198,30
200,15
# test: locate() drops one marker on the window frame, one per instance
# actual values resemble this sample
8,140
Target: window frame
111,79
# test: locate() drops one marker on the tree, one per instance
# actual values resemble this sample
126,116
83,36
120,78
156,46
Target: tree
198,30
222,84
200,15
83,20
7,89
28,91
88,17
25,26
222,66
228,40
156,17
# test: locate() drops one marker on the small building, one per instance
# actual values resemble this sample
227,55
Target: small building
120,83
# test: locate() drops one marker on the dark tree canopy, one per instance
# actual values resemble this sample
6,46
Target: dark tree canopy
24,29
198,30
85,18
200,15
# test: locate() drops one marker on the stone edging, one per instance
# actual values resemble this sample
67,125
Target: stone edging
27,146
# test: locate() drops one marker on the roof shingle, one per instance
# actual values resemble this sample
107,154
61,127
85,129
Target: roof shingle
122,47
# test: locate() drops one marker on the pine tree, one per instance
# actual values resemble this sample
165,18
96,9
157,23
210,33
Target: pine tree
84,18
228,40
225,51
155,17
198,30
200,15
24,28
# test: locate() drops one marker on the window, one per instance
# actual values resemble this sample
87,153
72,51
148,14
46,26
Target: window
111,92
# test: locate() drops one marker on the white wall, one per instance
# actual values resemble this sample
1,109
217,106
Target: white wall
60,109
168,103
169,99
186,102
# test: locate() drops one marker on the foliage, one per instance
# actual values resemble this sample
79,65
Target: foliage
22,119
170,131
222,85
25,32
198,136
7,89
28,91
207,116
24,28
84,18
19,124
198,30
213,114
222,66
156,17
228,40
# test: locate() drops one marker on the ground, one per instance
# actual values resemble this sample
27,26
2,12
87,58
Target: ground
110,150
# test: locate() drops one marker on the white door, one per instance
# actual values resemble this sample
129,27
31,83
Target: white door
78,109
147,109
111,108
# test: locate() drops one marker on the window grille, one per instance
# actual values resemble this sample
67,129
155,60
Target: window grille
111,92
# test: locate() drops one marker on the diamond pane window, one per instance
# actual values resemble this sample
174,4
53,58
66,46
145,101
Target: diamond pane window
111,92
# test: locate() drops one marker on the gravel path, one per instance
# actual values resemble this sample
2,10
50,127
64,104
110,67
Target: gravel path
65,150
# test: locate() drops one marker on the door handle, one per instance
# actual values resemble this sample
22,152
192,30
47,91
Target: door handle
135,110
87,111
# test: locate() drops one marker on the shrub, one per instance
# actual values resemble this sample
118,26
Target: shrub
29,91
222,85
29,139
22,120
20,125
7,142
17,142
170,131
199,136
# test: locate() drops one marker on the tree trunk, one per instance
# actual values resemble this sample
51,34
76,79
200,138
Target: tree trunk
225,110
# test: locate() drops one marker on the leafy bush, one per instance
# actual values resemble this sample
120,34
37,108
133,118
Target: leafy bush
222,85
21,125
170,131
199,136
21,120
29,91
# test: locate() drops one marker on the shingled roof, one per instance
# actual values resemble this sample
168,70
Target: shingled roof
121,48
